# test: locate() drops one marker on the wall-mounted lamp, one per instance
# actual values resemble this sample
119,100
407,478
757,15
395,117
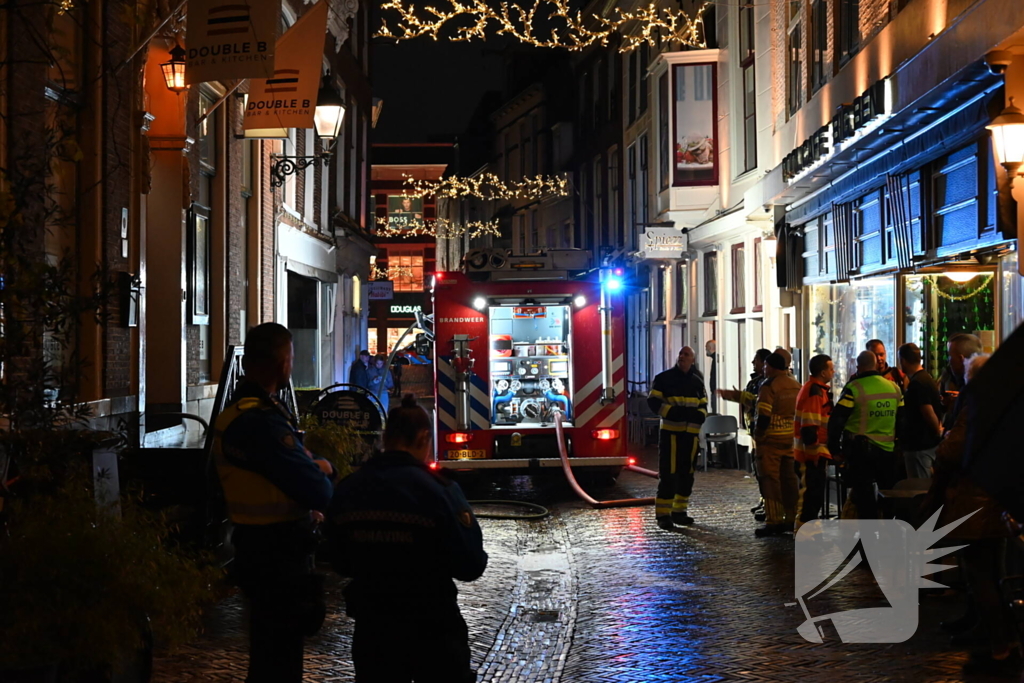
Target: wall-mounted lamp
327,118
1008,138
174,70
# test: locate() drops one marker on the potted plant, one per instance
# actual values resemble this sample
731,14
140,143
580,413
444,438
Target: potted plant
336,443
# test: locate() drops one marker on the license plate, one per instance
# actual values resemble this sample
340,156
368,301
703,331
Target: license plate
467,455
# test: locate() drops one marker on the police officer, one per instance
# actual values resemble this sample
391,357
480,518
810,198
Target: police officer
862,428
275,492
678,396
403,533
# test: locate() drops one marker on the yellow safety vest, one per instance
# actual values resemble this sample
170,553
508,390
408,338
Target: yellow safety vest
251,498
875,402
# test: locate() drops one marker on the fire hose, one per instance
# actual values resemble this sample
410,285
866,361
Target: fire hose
592,502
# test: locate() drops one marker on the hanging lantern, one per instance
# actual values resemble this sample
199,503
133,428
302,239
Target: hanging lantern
174,70
1008,137
329,113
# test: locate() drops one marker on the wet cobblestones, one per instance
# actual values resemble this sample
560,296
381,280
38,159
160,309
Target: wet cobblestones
592,596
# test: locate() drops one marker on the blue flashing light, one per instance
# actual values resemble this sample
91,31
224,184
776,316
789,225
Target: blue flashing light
613,283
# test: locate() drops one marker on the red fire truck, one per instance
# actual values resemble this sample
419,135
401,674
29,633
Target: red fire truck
518,341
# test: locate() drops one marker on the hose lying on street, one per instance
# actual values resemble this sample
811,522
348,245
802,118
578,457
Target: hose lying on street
592,502
534,511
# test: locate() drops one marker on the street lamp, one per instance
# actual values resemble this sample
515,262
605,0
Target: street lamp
1008,137
174,70
327,118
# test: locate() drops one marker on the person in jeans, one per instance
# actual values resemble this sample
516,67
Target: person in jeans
922,406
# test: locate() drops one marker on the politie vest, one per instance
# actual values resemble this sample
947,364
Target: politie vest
875,401
251,498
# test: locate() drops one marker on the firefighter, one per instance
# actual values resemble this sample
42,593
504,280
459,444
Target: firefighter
275,492
810,438
773,433
403,533
748,399
862,428
678,396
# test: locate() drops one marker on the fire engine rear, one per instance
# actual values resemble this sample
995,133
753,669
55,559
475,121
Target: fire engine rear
523,340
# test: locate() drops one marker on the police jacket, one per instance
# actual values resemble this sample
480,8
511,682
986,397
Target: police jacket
267,475
870,406
402,533
679,398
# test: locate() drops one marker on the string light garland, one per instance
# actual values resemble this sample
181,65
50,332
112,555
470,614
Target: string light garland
964,297
440,228
651,24
389,273
489,186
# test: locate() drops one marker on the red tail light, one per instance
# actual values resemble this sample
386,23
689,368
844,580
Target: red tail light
433,465
631,462
458,437
605,434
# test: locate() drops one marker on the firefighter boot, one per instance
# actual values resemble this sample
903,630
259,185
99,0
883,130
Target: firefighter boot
665,523
682,519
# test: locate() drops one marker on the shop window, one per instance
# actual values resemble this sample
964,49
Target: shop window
711,283
843,317
936,308
758,305
371,341
395,333
405,269
739,299
304,324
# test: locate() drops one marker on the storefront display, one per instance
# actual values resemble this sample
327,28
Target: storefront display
843,317
937,306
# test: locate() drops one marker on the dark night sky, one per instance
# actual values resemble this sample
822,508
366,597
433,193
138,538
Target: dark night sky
430,89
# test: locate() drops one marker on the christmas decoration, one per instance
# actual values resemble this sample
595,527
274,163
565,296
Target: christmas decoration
562,27
489,186
440,228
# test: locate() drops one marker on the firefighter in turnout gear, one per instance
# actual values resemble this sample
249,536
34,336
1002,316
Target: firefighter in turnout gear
862,428
678,396
403,533
748,399
275,493
776,410
810,438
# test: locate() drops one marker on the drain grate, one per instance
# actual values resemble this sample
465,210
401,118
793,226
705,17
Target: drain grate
546,615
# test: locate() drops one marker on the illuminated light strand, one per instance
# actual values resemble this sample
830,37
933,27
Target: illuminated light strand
488,186
441,228
653,25
66,6
963,297
381,273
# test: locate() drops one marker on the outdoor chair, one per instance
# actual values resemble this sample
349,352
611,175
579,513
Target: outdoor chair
717,429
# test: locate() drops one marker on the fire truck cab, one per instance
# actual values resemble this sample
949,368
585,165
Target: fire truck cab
523,340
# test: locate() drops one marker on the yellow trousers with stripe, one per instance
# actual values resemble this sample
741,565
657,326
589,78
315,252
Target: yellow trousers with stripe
677,458
779,482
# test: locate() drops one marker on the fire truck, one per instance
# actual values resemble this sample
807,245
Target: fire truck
523,340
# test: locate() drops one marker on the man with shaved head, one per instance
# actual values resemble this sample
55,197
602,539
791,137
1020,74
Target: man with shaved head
960,347
862,429
678,396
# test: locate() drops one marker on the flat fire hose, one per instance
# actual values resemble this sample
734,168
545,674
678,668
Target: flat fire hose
592,502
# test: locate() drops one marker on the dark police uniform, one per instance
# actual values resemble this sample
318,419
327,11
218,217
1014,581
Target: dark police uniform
271,484
403,533
679,398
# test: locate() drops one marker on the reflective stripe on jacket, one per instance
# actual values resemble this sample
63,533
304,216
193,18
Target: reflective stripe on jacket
776,408
266,474
810,424
869,406
680,400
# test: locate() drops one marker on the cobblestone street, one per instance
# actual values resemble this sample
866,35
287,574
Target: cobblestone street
604,595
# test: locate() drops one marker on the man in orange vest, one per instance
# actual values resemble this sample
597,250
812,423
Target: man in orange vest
810,438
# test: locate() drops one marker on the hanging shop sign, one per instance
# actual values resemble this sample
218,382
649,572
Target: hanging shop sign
662,243
406,309
230,39
852,122
382,290
288,99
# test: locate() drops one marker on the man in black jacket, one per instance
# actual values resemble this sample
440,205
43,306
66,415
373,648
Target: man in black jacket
678,396
403,533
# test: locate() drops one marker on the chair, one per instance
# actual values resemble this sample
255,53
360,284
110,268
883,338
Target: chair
717,429
642,420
